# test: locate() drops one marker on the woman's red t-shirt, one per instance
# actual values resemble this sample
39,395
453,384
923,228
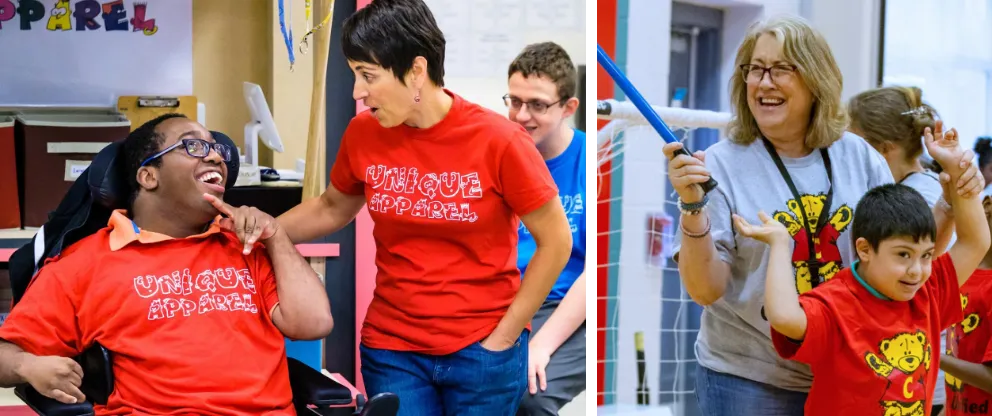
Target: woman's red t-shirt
446,202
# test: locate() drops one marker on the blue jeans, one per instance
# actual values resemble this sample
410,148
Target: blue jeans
472,381
720,394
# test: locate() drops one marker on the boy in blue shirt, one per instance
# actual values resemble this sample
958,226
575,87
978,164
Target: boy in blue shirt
541,98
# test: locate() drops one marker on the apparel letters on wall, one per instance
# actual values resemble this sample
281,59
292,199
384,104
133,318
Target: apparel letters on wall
84,16
86,53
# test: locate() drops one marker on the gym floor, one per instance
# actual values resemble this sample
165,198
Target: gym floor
10,405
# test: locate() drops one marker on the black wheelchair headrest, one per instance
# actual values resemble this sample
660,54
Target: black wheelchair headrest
109,186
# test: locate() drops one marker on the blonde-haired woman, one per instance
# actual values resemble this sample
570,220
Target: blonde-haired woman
788,155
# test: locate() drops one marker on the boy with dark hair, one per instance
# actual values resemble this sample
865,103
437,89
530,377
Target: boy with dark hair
542,82
868,333
968,363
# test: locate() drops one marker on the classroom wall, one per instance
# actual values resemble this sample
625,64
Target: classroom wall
289,96
502,38
231,45
237,41
243,38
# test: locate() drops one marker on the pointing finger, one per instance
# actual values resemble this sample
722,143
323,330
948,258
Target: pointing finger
220,205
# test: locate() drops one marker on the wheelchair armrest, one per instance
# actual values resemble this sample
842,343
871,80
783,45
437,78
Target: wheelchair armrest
46,406
313,388
338,378
98,374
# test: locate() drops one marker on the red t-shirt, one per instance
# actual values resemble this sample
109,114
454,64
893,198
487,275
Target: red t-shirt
187,321
870,356
445,201
969,340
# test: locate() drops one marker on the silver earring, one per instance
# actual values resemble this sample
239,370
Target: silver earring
416,98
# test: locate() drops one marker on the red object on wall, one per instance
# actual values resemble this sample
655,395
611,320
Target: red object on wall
10,209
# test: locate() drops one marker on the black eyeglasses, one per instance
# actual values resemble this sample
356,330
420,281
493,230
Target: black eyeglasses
535,107
754,73
198,148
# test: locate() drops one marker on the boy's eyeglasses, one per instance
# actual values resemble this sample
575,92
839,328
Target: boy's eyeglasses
535,107
198,148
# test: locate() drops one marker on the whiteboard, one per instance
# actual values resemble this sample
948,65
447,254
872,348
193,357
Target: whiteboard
482,37
54,61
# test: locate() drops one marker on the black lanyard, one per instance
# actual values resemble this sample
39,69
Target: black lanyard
821,221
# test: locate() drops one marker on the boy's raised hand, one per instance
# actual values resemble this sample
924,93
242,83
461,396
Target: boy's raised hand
945,149
769,232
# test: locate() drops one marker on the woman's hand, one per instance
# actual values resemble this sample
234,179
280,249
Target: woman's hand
497,343
686,173
970,184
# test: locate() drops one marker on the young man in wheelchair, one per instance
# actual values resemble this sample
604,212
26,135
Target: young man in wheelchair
194,325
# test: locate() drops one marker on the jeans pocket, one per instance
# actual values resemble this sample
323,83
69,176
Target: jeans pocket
512,348
521,341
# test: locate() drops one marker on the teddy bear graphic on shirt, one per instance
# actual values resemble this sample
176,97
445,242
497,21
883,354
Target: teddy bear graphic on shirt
954,335
825,242
904,364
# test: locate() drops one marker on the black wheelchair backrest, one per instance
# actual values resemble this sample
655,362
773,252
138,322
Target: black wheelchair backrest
101,188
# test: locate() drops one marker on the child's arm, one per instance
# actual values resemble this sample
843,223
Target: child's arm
781,298
973,236
943,217
969,216
970,184
975,374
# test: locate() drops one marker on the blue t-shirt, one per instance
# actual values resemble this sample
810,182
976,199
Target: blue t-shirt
569,172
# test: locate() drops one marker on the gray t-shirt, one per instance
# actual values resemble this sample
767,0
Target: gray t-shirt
734,336
927,183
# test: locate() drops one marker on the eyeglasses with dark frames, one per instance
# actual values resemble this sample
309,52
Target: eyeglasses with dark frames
753,74
534,106
197,148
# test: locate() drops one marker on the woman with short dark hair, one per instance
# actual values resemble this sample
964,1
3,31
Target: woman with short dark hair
447,183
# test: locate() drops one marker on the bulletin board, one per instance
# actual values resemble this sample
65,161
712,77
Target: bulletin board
483,36
86,53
